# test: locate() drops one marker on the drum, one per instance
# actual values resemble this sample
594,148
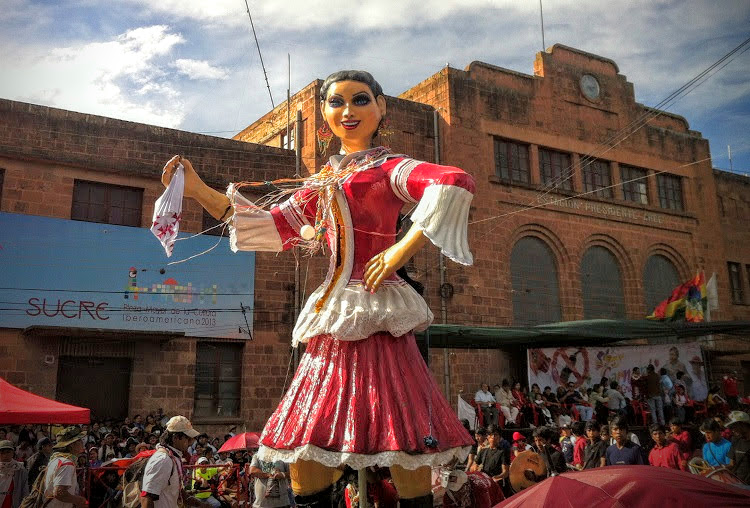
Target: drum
721,474
526,470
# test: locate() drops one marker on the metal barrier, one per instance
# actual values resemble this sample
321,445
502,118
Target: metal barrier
232,483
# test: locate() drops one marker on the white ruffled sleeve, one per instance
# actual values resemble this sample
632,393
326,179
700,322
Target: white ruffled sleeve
251,228
444,195
443,216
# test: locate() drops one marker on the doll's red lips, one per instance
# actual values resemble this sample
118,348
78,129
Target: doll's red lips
350,124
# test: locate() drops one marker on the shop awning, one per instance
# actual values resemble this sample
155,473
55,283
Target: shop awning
589,332
19,407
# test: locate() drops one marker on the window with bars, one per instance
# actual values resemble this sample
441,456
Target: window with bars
597,176
660,277
106,203
670,192
601,285
536,291
218,379
735,283
555,169
634,184
511,161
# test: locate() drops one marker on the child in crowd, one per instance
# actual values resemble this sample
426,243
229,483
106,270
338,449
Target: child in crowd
623,451
580,443
566,443
716,449
664,453
682,439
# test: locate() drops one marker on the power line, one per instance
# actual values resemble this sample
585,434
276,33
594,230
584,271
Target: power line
259,53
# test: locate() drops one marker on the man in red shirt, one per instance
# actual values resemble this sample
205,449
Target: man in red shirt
729,385
664,453
682,439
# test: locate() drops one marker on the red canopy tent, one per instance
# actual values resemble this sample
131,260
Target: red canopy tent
629,486
19,407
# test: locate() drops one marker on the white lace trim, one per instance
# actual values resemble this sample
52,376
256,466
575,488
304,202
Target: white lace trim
443,216
406,460
352,313
251,228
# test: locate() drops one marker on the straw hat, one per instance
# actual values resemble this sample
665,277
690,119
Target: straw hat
67,436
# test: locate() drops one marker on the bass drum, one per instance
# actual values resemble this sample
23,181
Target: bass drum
526,470
721,474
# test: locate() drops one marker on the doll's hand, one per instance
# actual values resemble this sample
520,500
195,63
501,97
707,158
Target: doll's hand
192,180
394,257
382,266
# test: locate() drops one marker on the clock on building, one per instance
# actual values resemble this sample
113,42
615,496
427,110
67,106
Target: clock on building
589,87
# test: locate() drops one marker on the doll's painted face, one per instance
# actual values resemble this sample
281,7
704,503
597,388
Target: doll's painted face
353,113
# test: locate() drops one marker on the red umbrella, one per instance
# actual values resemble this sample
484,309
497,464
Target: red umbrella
629,486
244,441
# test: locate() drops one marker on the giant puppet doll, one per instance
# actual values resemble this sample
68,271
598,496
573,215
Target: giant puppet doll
362,395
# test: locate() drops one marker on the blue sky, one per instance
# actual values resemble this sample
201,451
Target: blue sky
193,65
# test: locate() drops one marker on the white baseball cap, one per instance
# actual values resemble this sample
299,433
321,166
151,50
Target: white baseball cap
181,424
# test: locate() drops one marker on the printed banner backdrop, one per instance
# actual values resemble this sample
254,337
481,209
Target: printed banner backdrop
65,273
585,366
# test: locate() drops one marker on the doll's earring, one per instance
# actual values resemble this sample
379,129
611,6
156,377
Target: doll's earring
324,135
385,132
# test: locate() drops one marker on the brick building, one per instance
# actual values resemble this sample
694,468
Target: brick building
578,215
588,203
66,171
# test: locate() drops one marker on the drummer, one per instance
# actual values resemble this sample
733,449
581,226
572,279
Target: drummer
553,459
716,449
494,460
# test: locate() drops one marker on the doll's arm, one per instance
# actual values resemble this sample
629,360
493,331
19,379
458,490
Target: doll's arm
383,265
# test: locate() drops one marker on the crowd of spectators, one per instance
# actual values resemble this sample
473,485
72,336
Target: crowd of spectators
724,443
658,396
575,428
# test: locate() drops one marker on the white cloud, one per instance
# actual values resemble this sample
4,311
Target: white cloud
199,69
121,78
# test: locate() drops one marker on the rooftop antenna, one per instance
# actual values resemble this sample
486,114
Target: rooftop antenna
729,150
541,15
259,54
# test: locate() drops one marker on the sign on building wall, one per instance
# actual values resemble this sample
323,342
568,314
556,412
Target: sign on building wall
585,366
65,273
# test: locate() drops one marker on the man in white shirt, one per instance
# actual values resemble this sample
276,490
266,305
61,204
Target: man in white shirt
616,401
486,402
162,478
60,481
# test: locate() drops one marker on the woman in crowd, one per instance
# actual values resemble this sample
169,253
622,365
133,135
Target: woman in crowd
508,403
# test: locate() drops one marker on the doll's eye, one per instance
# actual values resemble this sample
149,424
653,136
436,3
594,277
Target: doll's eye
335,102
362,100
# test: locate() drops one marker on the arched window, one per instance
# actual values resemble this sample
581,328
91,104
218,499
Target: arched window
660,277
536,293
601,284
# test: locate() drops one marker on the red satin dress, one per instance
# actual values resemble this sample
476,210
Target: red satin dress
362,394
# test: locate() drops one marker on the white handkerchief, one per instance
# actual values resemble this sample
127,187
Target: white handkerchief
168,211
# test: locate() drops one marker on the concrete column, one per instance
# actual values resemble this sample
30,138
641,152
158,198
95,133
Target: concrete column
534,170
617,191
577,174
653,189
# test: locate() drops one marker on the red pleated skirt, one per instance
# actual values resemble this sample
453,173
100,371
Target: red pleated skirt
366,402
